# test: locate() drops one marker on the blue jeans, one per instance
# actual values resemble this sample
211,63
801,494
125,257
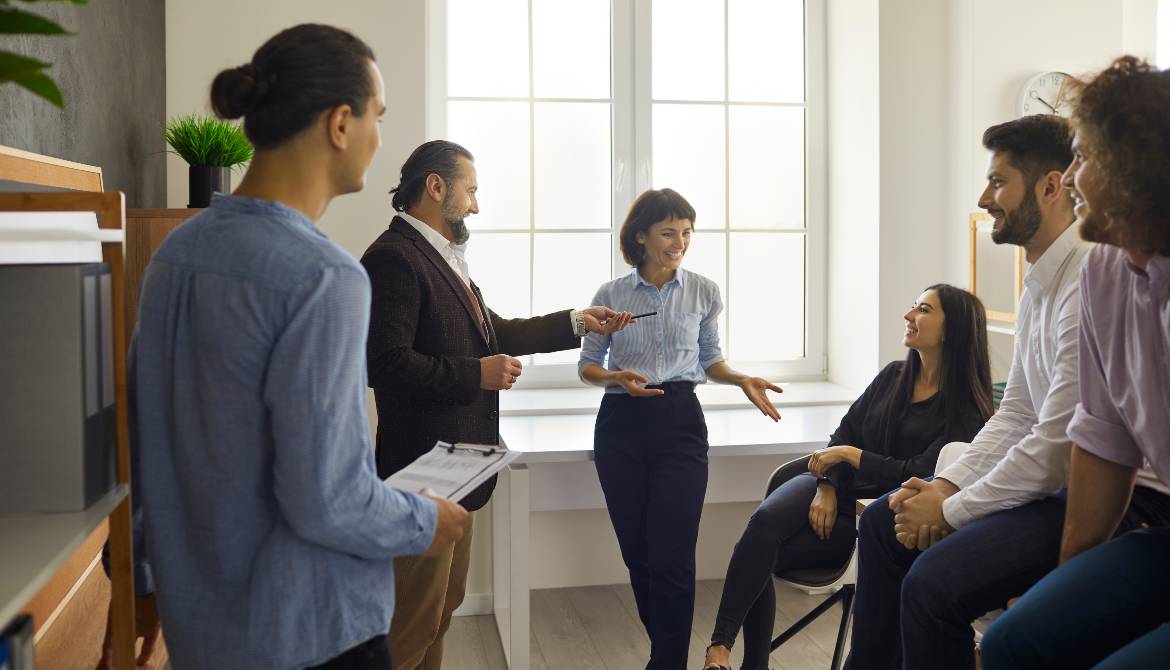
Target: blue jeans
914,609
1108,608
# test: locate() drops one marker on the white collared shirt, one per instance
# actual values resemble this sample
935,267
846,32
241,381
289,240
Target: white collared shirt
454,254
1022,452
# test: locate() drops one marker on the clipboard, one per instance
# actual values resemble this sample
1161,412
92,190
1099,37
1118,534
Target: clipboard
452,470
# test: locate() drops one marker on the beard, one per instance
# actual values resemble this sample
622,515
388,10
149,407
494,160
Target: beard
1019,226
1099,228
459,230
454,220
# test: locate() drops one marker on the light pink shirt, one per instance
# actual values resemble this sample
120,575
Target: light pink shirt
1124,409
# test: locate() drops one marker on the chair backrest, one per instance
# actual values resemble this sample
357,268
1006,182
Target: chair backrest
949,454
792,468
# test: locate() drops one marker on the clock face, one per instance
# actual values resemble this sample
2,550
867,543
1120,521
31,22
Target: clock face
1042,95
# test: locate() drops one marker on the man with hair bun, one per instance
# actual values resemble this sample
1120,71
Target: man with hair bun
1108,605
268,529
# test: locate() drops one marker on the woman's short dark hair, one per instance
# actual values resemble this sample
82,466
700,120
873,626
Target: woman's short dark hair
1035,145
964,380
291,79
650,208
439,157
1123,115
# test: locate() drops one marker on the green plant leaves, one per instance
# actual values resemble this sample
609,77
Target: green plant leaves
14,65
17,22
42,85
27,72
203,140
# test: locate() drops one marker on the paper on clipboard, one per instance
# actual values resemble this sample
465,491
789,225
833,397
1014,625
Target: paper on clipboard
452,470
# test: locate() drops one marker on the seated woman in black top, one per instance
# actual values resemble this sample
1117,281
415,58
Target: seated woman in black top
941,393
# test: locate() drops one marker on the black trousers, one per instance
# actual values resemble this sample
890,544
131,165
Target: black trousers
651,457
373,654
778,538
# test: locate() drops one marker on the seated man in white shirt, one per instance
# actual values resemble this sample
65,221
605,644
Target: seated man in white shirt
995,514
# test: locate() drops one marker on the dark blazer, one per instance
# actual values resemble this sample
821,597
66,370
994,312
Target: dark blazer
424,349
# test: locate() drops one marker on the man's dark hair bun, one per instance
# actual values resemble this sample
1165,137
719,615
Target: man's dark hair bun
291,79
237,92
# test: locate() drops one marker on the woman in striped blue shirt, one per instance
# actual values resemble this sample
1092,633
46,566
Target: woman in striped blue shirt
650,440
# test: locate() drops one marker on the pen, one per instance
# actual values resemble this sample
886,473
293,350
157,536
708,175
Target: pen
636,316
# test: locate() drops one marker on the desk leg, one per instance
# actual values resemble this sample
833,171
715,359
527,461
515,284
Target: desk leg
510,593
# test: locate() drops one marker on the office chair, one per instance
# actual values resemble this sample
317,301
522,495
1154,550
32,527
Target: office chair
840,582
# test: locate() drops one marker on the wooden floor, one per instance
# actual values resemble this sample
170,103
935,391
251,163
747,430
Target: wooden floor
597,628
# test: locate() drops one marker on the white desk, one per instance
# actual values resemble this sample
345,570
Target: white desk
567,439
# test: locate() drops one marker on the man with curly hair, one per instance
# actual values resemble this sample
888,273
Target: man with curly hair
1108,605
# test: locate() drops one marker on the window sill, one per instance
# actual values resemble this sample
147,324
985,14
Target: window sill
585,400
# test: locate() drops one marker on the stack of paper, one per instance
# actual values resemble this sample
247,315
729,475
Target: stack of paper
28,238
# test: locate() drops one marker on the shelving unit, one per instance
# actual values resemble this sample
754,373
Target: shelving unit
35,546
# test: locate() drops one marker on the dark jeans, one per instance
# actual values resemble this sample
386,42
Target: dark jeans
651,457
373,654
1108,608
778,538
914,609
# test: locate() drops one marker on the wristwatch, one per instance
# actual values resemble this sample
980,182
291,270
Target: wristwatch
579,328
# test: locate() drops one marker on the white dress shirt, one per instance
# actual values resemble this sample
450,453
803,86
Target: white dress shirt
1022,452
454,254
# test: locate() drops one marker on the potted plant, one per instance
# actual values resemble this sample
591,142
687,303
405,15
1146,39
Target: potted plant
211,148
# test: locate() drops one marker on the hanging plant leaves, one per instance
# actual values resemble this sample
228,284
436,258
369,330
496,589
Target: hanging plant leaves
42,85
17,22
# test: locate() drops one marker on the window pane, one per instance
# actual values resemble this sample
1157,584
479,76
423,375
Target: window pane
689,157
499,265
765,50
707,256
687,50
767,167
572,165
569,267
487,48
496,133
767,308
570,48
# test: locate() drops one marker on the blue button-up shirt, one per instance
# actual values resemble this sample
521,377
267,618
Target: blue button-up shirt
678,344
269,532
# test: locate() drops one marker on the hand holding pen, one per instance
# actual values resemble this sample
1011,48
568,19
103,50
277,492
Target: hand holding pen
605,321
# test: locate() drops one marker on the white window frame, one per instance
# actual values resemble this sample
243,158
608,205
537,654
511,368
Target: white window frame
631,169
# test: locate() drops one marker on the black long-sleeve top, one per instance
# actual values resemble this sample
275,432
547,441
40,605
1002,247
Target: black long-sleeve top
919,436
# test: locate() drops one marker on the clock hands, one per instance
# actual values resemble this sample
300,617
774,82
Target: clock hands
1036,96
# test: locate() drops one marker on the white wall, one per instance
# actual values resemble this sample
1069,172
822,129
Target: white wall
912,85
996,46
854,189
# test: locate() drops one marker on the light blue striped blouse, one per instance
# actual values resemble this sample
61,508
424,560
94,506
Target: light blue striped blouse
677,345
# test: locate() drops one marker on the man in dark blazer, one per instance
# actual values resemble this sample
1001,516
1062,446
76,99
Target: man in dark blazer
438,358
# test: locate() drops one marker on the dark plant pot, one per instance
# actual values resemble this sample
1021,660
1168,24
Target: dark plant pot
203,180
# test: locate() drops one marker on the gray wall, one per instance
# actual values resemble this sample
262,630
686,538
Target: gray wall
113,77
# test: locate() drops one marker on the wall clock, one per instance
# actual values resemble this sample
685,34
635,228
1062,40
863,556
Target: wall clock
1042,95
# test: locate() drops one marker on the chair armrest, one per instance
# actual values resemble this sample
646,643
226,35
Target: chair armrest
862,504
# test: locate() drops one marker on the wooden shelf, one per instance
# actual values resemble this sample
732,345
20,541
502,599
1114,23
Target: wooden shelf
35,545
